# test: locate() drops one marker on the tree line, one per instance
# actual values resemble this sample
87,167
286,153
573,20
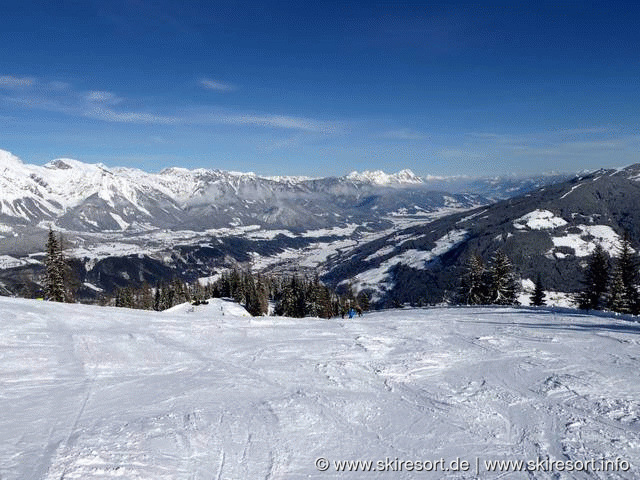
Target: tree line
290,296
611,285
608,284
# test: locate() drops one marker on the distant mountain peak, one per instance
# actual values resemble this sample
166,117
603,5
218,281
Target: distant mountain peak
379,177
9,159
59,164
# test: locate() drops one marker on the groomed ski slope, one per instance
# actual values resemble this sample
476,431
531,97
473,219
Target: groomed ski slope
100,393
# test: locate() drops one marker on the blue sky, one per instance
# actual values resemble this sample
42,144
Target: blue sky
322,88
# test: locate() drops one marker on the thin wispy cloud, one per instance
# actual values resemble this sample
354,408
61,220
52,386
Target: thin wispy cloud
10,81
99,96
109,115
276,121
109,107
547,149
211,118
59,86
404,134
217,86
39,102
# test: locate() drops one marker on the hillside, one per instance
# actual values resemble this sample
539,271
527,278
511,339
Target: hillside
548,232
96,393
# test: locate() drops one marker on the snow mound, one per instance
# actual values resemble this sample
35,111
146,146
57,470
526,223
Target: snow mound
551,298
213,307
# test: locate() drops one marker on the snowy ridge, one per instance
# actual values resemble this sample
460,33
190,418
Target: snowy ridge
378,177
92,197
94,393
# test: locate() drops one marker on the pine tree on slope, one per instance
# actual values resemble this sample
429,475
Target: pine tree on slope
618,301
537,299
596,280
628,267
473,290
54,276
503,289
623,295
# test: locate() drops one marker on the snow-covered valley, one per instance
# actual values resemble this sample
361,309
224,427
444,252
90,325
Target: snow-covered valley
208,392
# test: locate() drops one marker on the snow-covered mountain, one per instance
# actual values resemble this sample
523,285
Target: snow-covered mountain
207,392
547,232
378,177
94,198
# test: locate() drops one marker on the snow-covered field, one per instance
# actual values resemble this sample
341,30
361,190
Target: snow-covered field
98,393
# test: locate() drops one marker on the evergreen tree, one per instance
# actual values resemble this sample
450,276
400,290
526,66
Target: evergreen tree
623,295
157,298
537,299
364,301
313,305
293,296
262,293
236,290
145,297
618,301
54,276
503,289
124,297
251,299
595,281
473,288
628,267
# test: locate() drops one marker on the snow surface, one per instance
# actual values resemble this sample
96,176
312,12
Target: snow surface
539,220
214,307
7,261
551,298
584,243
100,393
570,191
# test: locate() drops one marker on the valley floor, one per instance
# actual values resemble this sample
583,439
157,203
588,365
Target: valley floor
96,393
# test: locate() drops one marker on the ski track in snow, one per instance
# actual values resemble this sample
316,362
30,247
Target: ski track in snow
99,393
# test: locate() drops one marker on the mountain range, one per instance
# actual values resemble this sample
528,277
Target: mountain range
80,197
398,235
